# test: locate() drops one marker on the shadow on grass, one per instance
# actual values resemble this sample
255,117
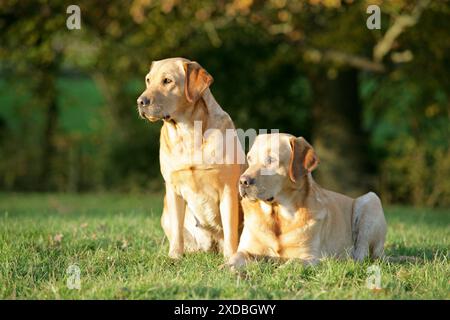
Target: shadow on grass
422,254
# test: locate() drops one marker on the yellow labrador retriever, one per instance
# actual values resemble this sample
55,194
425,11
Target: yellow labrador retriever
288,215
200,169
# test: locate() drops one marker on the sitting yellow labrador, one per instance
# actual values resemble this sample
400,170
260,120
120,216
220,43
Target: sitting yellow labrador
288,215
200,169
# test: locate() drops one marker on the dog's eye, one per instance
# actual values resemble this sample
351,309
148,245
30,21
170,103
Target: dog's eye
167,81
147,80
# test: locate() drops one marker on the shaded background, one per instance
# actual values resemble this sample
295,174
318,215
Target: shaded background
374,103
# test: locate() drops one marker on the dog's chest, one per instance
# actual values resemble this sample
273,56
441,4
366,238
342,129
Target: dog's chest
185,147
279,232
199,188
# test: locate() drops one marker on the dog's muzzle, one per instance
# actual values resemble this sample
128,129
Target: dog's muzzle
151,113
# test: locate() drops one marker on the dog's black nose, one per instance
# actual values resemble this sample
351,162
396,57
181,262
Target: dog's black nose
246,181
143,101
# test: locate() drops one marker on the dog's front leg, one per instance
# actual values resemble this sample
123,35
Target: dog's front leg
229,213
176,207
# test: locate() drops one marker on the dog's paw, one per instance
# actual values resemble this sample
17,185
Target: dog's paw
236,262
175,254
228,254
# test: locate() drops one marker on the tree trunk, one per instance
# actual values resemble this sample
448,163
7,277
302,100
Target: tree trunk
47,93
337,133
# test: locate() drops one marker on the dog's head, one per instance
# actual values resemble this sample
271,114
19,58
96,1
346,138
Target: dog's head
171,86
278,163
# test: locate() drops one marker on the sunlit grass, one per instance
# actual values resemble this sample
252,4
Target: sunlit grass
119,246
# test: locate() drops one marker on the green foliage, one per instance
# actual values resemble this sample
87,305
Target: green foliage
410,137
68,97
118,244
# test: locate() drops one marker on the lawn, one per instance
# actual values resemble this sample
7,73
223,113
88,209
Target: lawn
119,247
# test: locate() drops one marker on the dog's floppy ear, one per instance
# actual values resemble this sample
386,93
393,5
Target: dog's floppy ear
303,158
196,82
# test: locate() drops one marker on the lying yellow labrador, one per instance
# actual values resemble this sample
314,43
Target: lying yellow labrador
288,215
201,175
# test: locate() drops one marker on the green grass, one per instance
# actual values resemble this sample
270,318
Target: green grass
117,242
